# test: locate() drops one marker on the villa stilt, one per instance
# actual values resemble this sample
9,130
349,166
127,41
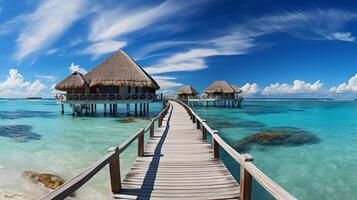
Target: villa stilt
117,80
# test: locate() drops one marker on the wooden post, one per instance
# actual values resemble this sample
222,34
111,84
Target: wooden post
136,108
127,109
141,144
204,134
160,121
215,145
114,170
193,118
62,108
105,109
147,108
197,124
144,108
152,129
245,180
141,109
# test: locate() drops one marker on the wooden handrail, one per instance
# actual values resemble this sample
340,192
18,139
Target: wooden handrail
248,169
111,158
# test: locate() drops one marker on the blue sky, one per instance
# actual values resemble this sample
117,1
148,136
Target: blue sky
268,48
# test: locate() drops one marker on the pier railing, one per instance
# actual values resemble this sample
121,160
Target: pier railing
247,169
104,97
112,158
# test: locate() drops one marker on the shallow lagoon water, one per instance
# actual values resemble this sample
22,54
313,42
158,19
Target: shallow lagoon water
326,169
65,145
35,136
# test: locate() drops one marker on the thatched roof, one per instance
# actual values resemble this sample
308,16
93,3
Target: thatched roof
236,89
120,70
75,80
187,89
221,87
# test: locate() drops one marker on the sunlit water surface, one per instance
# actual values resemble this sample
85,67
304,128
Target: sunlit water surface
35,136
326,169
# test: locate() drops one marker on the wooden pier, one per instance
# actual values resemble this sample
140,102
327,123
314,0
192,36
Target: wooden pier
177,162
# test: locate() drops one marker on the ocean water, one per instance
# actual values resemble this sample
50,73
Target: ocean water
324,167
35,136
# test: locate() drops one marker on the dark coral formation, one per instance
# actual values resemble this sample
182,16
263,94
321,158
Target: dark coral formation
289,136
19,133
47,180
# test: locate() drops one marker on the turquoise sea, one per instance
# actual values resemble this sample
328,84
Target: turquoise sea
324,168
35,136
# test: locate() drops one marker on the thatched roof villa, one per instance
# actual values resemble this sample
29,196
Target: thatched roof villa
186,92
222,90
118,79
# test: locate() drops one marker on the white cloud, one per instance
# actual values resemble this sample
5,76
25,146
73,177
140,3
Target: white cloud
16,86
99,48
77,68
343,36
298,87
350,86
250,89
47,23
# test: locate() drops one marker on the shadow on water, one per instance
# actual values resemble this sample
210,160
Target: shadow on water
19,133
17,114
127,120
283,136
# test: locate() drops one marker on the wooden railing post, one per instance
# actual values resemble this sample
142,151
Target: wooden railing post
114,171
141,144
198,123
245,180
152,129
215,145
204,131
160,121
193,118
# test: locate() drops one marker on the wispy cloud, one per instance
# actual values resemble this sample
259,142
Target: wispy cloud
46,24
50,78
316,24
343,36
194,59
167,82
100,48
115,23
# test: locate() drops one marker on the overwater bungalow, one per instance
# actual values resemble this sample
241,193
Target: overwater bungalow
219,94
186,92
117,80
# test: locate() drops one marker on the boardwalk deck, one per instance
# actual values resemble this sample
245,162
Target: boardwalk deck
177,163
